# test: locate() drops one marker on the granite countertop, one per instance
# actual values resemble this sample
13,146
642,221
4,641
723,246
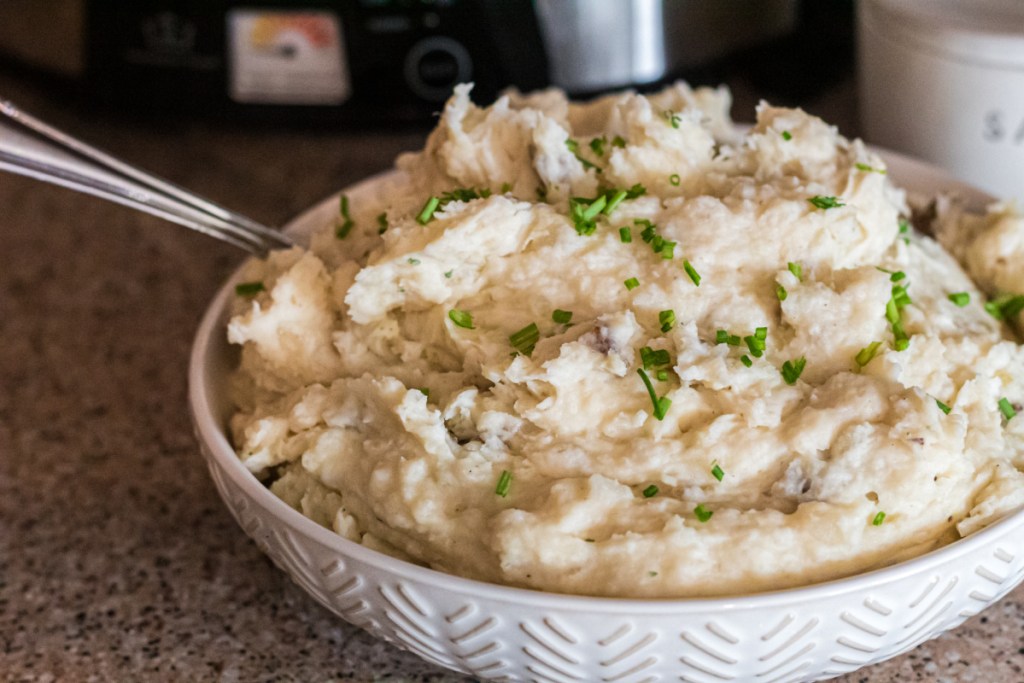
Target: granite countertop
118,561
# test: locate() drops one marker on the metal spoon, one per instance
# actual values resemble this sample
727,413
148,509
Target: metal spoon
33,148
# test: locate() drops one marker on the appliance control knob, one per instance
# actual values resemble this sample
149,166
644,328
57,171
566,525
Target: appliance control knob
434,65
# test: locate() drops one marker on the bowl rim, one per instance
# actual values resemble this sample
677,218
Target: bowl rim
222,455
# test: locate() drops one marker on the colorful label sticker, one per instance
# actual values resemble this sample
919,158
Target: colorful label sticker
287,57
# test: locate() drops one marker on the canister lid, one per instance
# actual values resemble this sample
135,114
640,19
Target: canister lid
987,32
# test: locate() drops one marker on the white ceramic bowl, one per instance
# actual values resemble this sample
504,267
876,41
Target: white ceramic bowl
513,634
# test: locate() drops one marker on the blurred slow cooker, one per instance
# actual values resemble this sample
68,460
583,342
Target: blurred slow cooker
373,60
943,80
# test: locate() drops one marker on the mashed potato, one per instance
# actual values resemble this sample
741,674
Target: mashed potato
619,349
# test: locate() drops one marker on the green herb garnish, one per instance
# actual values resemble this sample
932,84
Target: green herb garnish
597,145
781,292
823,202
625,235
346,227
961,299
525,339
791,370
661,405
461,318
1006,408
618,141
703,514
504,483
667,319
756,342
942,406
865,355
692,272
1005,307
869,169
382,223
561,317
797,269
651,358
723,337
427,213
746,361
787,136
674,179
673,118
879,518
249,288
632,283
650,491
717,472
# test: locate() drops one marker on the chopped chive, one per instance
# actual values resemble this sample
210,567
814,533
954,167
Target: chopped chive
897,276
346,227
448,273
667,319
504,483
382,223
461,318
597,145
618,141
631,283
1005,307
797,269
1007,409
692,272
961,299
428,210
651,358
661,405
249,288
662,375
823,202
650,491
904,225
525,339
892,311
413,261
942,406
506,188
723,337
673,118
703,514
717,472
879,518
787,136
668,250
865,355
791,370
614,201
756,342
674,179
781,292
869,169
625,234
424,391
561,317
900,296
574,147
746,361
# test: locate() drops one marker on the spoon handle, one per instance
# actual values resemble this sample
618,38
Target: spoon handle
33,148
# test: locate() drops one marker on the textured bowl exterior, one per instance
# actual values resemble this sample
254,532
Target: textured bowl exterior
511,634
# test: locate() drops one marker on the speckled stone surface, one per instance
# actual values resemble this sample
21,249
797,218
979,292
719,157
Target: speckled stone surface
117,560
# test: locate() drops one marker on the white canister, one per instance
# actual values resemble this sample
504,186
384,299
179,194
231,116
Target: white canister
943,80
